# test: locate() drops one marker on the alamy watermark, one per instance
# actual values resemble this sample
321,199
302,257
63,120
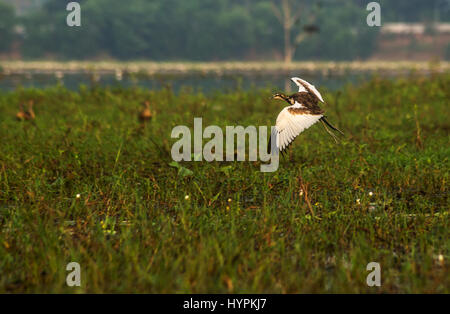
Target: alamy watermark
374,277
213,150
374,17
73,279
74,17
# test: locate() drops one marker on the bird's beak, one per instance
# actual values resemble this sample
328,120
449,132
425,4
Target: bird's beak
276,97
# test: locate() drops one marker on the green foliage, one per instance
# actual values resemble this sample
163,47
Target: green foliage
147,29
192,30
344,34
447,52
145,224
415,10
7,22
207,30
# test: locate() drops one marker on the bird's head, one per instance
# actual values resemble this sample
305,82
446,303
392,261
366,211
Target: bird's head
279,97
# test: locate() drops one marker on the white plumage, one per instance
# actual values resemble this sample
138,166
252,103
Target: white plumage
289,126
290,123
303,111
301,88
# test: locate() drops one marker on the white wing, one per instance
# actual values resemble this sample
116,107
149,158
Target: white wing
301,88
289,126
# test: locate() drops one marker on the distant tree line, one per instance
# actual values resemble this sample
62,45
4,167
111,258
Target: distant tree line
7,23
200,29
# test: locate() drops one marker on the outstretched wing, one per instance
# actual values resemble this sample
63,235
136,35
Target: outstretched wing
304,86
292,121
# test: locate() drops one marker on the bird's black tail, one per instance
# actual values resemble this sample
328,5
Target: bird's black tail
330,125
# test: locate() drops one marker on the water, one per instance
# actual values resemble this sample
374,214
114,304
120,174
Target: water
205,83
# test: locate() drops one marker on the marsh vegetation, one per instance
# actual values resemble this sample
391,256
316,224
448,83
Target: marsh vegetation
85,181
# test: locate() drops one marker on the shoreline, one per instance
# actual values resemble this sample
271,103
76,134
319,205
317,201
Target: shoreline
220,68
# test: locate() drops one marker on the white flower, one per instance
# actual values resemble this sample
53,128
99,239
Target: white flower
78,195
358,201
186,197
441,258
370,193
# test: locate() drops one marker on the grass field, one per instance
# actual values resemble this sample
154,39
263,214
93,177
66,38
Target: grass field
143,225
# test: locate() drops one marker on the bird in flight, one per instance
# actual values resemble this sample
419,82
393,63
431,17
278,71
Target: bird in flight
303,111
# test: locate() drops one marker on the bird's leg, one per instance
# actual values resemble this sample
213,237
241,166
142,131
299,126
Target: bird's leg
329,132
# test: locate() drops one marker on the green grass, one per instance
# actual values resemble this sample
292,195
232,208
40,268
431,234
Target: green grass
240,230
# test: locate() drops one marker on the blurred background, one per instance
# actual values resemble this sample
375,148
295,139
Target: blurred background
250,31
